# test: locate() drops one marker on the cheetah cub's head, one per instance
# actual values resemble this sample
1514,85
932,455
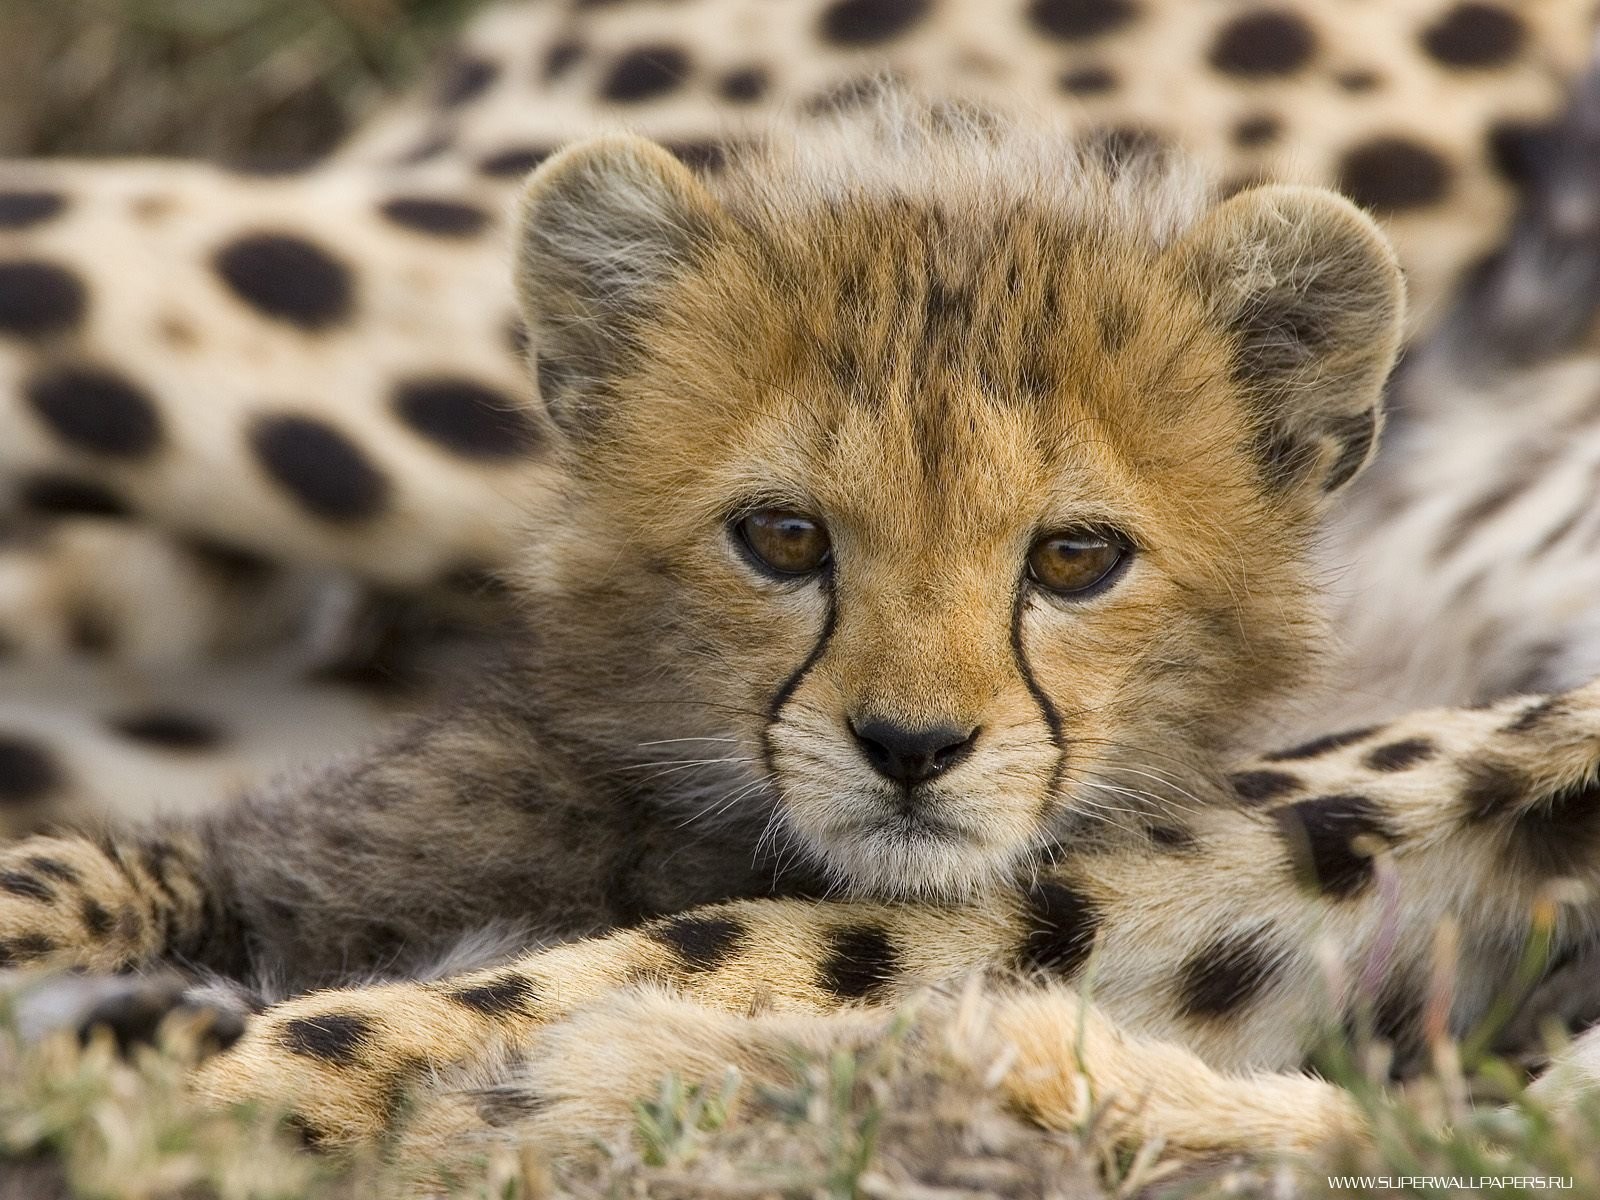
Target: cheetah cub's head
966,483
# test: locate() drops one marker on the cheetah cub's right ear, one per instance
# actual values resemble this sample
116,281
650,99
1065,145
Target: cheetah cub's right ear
606,225
1312,295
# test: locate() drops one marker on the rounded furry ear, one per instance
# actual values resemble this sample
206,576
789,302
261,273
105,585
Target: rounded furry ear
1312,294
603,226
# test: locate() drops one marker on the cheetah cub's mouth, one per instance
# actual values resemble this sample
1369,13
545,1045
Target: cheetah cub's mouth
959,483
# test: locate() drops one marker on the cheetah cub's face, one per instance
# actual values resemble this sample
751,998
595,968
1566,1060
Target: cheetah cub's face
969,486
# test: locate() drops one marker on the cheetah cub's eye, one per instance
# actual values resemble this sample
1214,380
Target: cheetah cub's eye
1076,565
783,542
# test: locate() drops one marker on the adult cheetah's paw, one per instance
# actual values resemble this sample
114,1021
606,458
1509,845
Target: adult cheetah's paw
134,1009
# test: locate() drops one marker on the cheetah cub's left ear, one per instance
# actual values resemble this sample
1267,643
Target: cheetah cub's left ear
1312,295
605,225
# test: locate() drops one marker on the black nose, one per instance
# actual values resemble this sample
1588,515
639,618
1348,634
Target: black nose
912,756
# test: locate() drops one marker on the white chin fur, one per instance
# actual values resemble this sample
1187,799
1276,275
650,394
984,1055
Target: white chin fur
927,866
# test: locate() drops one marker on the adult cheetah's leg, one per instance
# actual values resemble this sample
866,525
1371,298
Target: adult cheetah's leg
348,1062
1044,1053
1208,936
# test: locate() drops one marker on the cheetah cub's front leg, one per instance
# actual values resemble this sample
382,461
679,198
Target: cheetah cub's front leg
72,902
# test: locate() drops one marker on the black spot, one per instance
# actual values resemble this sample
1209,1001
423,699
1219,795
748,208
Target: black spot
1073,20
288,278
1397,756
155,856
54,868
1117,324
1322,745
703,943
513,162
25,948
745,86
334,1037
1535,714
1227,974
861,962
233,565
1322,833
1172,838
1263,44
430,147
1392,174
272,163
1474,35
1519,150
561,58
644,74
1554,834
169,729
1358,80
323,470
475,580
90,632
19,210
466,417
39,298
868,22
1259,787
1258,130
465,79
1061,925
507,1104
1394,1016
1087,81
428,214
61,495
20,883
95,917
509,995
699,156
92,409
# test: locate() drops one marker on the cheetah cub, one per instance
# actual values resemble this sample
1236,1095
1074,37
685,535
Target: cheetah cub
937,505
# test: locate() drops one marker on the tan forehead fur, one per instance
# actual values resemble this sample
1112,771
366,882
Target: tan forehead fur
957,339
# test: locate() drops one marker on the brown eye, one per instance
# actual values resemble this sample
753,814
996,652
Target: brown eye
784,542
1074,564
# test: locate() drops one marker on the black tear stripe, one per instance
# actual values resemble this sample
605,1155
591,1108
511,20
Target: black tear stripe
1047,710
786,691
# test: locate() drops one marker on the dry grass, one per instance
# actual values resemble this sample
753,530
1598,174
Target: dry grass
884,1124
256,81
